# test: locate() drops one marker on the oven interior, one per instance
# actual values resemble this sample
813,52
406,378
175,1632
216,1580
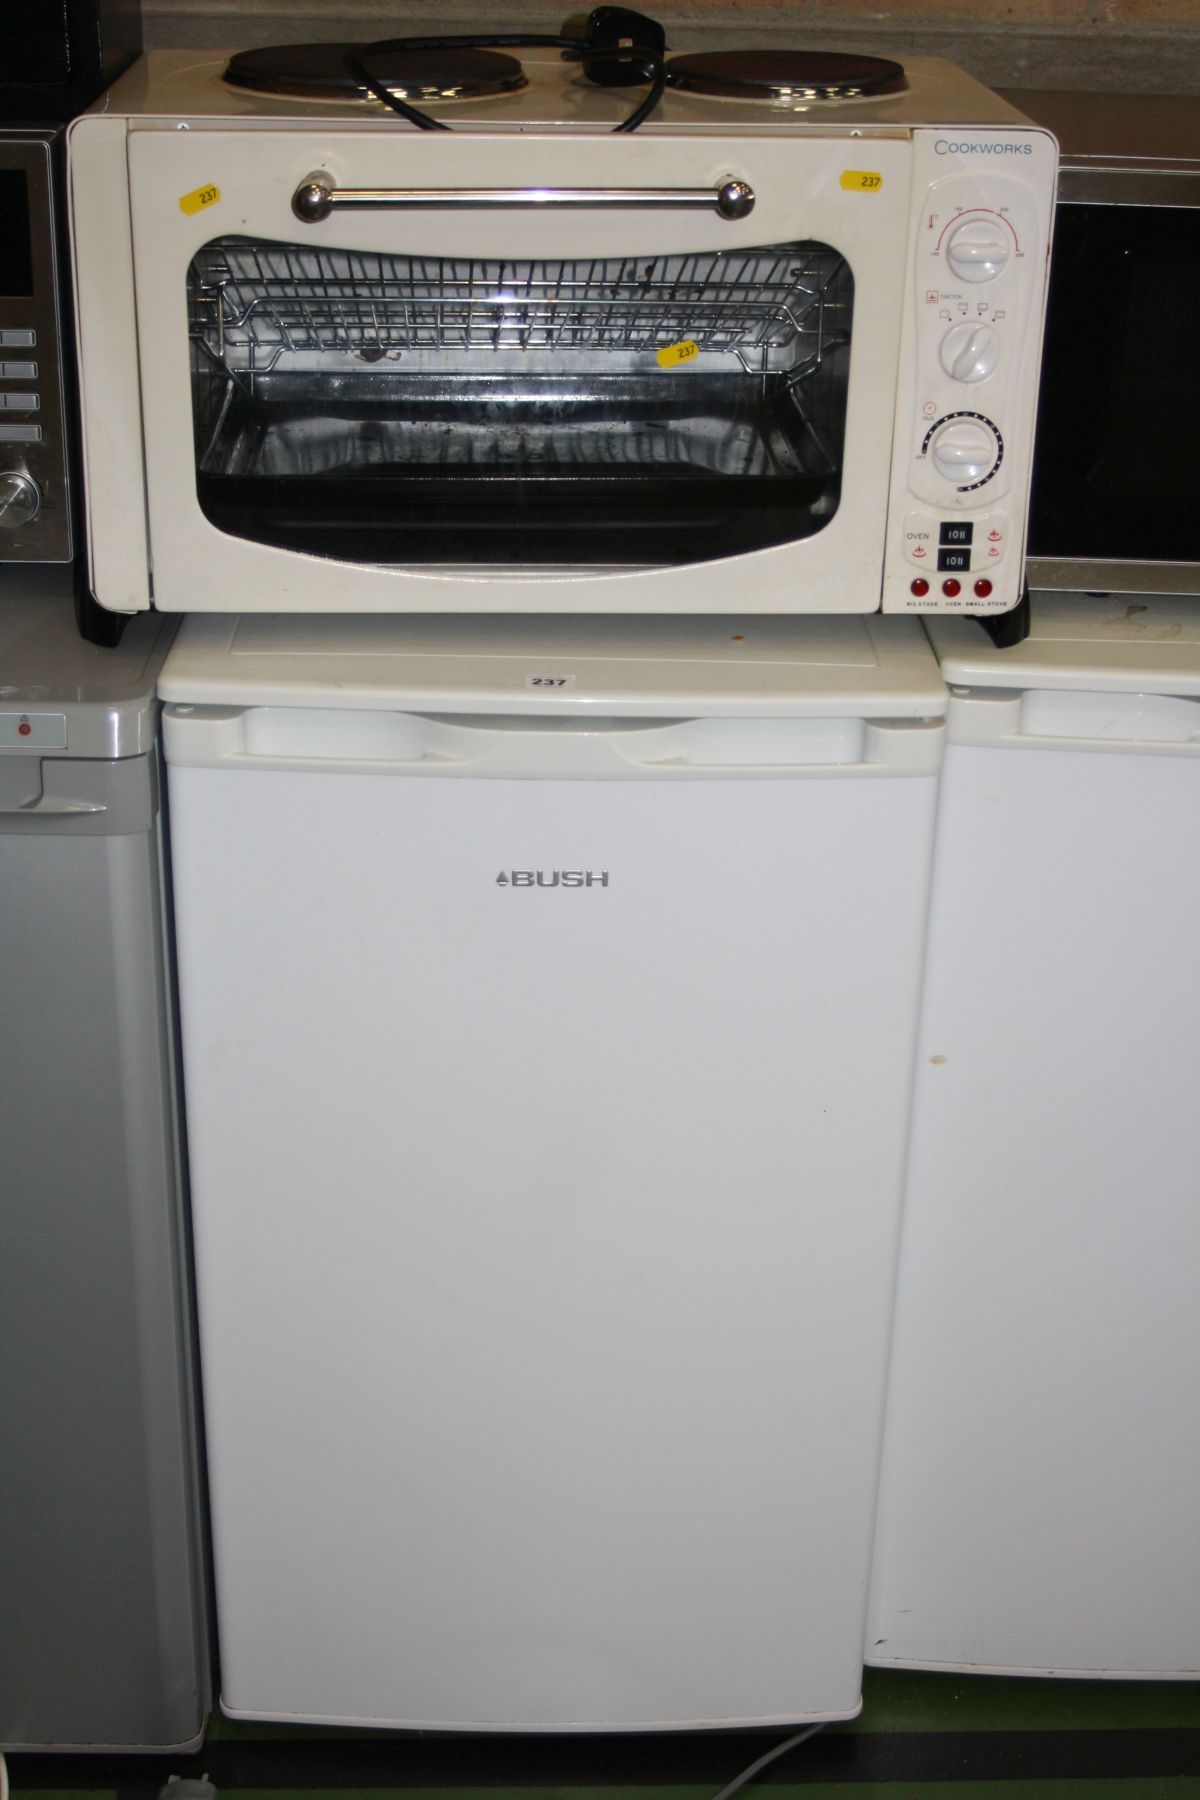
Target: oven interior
652,410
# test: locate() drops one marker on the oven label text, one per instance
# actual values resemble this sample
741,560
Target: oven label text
860,181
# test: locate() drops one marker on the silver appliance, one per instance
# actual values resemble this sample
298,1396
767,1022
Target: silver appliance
104,1636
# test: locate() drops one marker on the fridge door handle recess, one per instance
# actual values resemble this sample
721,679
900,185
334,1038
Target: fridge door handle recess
1079,719
32,790
50,806
575,748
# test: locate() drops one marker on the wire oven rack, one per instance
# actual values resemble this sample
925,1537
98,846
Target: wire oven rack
253,303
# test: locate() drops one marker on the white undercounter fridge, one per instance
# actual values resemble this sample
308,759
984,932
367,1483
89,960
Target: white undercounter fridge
1041,1478
548,999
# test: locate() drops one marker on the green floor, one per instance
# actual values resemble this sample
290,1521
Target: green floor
920,1737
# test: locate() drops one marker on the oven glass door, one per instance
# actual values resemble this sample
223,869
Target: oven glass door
433,404
433,412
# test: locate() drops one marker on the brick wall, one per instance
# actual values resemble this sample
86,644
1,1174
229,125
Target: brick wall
1141,46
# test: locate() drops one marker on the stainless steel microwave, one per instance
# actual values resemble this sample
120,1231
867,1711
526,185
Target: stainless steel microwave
1115,505
35,421
57,56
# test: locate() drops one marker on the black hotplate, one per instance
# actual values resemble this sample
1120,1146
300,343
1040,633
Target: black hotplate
322,72
784,75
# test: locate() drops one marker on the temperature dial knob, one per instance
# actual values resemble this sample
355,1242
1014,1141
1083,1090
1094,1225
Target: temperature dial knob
969,352
965,449
978,249
20,499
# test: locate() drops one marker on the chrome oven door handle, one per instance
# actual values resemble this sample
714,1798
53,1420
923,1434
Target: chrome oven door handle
317,197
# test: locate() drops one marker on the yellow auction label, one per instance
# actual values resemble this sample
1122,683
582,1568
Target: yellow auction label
861,181
673,354
199,198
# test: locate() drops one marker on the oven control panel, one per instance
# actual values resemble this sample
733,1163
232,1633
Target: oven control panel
969,362
35,520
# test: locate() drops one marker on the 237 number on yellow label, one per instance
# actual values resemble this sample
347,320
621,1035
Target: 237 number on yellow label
861,181
199,198
674,354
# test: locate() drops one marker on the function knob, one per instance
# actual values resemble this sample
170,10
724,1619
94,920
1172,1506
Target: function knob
20,499
964,448
978,249
969,352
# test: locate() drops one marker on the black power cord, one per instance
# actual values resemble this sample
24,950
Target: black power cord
618,47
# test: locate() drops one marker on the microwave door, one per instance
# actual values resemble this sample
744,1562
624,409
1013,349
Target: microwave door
1116,468
517,406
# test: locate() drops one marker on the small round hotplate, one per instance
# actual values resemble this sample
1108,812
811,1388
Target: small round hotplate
321,72
784,75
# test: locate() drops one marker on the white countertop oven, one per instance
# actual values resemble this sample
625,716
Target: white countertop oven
775,350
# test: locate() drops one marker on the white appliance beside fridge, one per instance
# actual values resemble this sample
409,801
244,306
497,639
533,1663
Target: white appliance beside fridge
1041,1481
548,1000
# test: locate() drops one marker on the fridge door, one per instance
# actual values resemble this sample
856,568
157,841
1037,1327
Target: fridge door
1042,1467
546,1139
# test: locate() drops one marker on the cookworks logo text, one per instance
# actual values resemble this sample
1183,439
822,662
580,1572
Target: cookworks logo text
551,878
981,147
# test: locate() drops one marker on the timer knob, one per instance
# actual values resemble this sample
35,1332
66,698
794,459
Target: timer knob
20,499
964,450
969,352
977,250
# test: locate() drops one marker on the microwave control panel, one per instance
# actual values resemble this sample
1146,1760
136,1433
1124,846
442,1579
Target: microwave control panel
35,519
969,363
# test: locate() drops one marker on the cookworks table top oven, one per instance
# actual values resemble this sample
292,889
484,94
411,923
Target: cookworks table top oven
776,350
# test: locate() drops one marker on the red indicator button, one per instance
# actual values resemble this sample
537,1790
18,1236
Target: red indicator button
951,588
983,588
24,728
919,587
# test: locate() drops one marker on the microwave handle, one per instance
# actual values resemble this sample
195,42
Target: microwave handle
317,196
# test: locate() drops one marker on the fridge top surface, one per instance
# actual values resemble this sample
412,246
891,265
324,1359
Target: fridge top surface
78,699
1147,644
618,667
